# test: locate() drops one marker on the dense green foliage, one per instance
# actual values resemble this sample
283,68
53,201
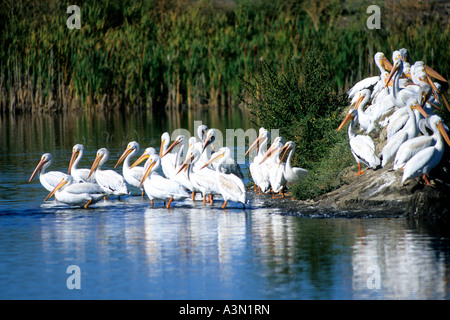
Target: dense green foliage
302,104
170,53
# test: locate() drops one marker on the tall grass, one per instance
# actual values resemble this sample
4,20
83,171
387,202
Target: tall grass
168,54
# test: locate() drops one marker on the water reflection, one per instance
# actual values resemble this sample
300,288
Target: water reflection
407,264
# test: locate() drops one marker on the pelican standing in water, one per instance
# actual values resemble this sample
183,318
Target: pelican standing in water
276,167
158,187
362,147
77,194
111,182
50,179
204,179
230,186
133,176
78,174
428,158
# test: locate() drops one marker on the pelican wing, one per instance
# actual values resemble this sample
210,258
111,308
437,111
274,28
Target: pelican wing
363,84
363,150
410,148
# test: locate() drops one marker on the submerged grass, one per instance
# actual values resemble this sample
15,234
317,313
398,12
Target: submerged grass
167,53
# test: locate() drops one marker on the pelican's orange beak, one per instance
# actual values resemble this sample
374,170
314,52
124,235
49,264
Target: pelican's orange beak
443,132
185,163
391,74
253,145
144,156
38,167
124,155
173,145
214,158
147,172
57,187
268,154
346,119
434,74
284,153
72,159
95,164
418,107
161,148
386,64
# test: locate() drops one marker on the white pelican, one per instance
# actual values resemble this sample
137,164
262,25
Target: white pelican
411,147
158,187
409,131
50,179
230,186
133,175
291,174
362,147
203,180
260,180
428,158
77,194
111,182
79,175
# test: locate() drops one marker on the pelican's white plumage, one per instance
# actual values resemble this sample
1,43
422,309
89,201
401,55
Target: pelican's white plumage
111,182
362,147
49,180
158,187
75,193
230,186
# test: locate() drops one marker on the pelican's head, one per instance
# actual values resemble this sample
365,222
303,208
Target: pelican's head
352,114
151,165
100,159
77,150
222,153
201,131
398,67
437,121
191,157
66,180
264,134
404,55
147,153
178,140
274,149
165,139
46,160
382,63
209,139
132,147
290,145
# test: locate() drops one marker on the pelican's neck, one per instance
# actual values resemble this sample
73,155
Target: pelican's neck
351,132
289,159
126,162
262,148
77,160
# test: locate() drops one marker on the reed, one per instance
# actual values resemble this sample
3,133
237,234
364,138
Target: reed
170,54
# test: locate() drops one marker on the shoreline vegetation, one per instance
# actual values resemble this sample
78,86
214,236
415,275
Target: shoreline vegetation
175,54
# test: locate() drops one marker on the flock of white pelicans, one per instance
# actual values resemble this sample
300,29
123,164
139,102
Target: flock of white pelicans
399,102
201,170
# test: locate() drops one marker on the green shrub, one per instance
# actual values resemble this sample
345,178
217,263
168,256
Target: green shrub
302,104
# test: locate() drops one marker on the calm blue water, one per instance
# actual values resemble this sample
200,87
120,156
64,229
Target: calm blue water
127,250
